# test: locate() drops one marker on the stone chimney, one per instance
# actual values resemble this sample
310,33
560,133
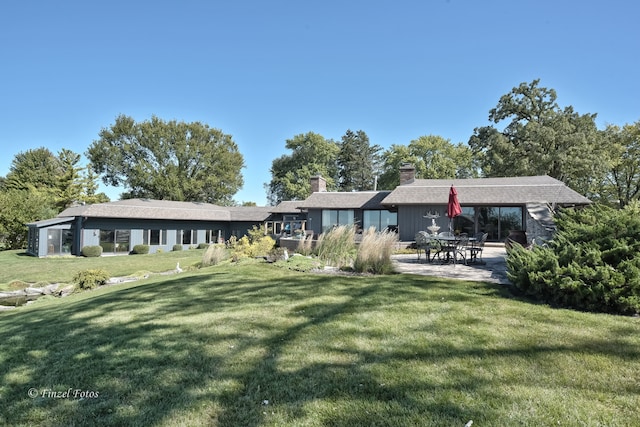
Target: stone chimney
407,173
318,184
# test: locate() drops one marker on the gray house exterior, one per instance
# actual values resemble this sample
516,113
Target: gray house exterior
495,206
161,224
489,205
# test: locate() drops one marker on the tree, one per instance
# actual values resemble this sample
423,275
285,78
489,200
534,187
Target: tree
358,162
68,183
36,168
311,154
434,157
622,184
90,186
539,138
168,160
19,207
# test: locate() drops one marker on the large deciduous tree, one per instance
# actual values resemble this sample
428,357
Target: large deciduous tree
540,138
311,154
434,157
168,160
622,184
358,162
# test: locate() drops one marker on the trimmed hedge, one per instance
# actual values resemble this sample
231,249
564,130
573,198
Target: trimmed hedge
177,248
92,251
140,250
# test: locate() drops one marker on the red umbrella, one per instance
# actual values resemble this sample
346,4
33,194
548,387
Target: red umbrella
453,207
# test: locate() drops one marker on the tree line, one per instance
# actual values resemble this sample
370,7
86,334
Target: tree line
529,134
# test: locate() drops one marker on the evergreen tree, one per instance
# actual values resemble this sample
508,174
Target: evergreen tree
358,162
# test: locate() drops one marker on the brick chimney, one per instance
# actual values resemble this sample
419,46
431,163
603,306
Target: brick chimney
407,173
318,184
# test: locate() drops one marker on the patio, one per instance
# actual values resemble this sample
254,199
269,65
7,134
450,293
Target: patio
494,268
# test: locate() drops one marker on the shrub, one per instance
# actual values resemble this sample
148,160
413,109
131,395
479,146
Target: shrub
592,263
336,246
92,251
255,243
140,249
177,248
374,252
203,245
214,255
89,279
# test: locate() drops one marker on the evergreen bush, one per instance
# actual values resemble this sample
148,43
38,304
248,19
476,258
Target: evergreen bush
92,251
140,249
90,279
177,248
592,263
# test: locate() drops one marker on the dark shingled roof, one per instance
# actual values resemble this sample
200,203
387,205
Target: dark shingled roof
338,200
487,191
151,209
249,213
289,206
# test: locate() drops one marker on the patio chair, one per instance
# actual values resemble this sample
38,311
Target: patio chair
424,243
476,248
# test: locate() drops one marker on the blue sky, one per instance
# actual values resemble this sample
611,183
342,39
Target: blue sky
265,71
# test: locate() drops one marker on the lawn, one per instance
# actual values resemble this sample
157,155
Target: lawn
256,345
17,265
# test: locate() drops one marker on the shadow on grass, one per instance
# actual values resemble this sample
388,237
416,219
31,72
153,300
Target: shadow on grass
217,346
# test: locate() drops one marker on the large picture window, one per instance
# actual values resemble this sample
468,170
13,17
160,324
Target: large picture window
115,240
334,217
381,220
499,221
59,241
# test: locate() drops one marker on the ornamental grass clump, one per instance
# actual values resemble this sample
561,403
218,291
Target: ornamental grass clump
214,255
336,247
374,252
305,245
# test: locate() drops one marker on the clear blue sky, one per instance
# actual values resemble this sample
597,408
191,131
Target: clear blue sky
265,71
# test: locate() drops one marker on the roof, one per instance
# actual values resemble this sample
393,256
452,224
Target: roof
289,206
151,209
487,191
52,221
339,200
249,213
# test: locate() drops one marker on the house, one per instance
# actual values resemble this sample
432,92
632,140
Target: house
495,206
161,224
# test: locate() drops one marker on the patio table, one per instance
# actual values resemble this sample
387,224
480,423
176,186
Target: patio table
452,246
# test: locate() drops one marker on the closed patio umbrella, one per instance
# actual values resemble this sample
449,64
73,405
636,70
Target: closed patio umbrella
453,207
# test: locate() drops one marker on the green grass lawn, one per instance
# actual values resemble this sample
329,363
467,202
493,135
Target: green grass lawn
17,265
255,345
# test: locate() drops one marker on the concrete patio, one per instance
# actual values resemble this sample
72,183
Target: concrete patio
494,268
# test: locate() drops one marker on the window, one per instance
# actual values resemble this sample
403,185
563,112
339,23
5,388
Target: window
154,237
499,221
465,222
381,220
115,240
59,241
185,236
333,217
